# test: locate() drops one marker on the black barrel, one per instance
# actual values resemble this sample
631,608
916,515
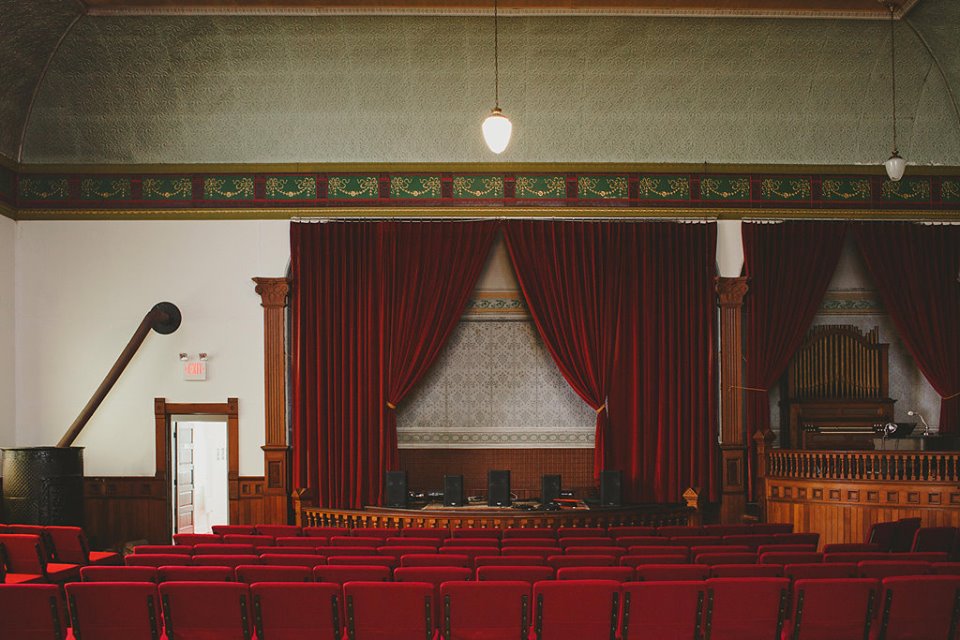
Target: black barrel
43,485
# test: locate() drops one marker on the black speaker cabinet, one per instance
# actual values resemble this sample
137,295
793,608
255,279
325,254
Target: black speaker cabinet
549,488
610,482
498,488
397,489
453,491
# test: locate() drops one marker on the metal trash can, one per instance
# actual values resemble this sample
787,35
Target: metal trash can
43,485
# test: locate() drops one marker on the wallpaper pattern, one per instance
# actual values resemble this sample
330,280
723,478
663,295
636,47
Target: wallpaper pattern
195,89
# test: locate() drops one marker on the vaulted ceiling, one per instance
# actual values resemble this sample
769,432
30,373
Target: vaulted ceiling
71,75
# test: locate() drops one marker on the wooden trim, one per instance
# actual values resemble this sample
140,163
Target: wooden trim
276,454
163,410
731,292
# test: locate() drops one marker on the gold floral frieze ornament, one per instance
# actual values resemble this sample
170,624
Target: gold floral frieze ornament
353,187
911,190
541,187
228,188
950,190
167,188
478,187
603,187
785,188
725,188
105,189
44,189
415,187
291,187
663,188
846,189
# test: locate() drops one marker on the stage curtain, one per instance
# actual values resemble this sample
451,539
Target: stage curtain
372,304
915,267
663,396
569,273
790,265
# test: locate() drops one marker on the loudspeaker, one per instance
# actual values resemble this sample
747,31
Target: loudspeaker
498,488
396,489
549,488
610,482
453,491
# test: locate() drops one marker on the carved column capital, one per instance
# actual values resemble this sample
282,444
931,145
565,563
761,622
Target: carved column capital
732,290
273,291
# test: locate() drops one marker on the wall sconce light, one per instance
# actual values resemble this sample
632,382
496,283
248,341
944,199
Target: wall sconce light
184,357
203,356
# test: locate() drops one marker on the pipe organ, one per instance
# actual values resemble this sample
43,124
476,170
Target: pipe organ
837,389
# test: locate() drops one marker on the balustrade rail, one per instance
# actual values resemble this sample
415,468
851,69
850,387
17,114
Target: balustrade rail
902,466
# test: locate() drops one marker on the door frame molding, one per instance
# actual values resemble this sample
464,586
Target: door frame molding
162,411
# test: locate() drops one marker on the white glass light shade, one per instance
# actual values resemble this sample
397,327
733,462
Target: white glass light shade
496,131
895,166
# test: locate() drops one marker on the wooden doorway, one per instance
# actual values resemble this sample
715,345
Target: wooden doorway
163,412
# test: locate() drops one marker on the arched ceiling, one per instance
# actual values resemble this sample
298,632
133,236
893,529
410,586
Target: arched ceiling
255,88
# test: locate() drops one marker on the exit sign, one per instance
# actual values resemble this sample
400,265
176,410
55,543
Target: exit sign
195,370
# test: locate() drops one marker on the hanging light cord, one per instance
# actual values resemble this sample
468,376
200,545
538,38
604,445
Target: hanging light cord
893,75
496,58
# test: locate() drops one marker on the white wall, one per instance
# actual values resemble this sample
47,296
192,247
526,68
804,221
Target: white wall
8,232
82,289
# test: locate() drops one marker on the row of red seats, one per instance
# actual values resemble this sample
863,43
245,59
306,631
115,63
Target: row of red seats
413,570
897,608
55,556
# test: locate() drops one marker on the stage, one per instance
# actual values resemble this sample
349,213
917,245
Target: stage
482,516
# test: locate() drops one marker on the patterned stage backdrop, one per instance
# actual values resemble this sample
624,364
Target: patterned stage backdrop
495,385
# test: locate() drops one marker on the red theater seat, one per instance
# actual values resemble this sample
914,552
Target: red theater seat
397,541
772,527
253,540
250,573
832,609
437,533
945,568
234,529
227,560
157,559
644,541
193,610
918,607
376,532
509,561
531,551
470,552
195,574
118,574
616,552
530,532
726,558
855,556
797,538
668,531
485,610
389,610
558,562
510,543
746,608
292,559
114,610
820,570
695,541
289,611
384,561
665,609
341,574
624,532
729,529
26,557
279,530
671,572
786,548
522,574
720,548
943,539
620,574
31,612
752,540
746,571
346,551
658,550
356,541
435,560
285,550
470,532
469,542
398,551
223,549
435,576
196,538
178,549
324,532
851,547
582,532
887,568
790,557
576,609
301,541
71,546
636,561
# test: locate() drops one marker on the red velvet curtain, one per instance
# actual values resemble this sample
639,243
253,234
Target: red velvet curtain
663,396
916,269
570,276
789,265
372,304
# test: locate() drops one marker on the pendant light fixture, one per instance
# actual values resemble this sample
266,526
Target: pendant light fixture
895,165
497,127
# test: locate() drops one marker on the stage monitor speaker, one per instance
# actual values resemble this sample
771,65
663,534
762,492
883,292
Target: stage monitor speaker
453,491
396,489
549,488
610,494
498,488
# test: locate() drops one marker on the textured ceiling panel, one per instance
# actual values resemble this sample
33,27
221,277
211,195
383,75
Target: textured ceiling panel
29,31
938,22
415,89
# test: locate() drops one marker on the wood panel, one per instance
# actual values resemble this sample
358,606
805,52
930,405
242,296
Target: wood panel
426,467
251,501
733,443
123,509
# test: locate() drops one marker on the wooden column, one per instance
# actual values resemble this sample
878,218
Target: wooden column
763,441
733,445
276,453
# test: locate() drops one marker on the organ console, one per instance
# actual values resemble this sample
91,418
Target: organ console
837,389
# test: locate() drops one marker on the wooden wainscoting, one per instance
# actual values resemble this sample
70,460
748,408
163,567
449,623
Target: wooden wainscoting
251,500
839,494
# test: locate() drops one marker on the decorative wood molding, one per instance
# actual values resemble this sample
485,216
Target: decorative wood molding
276,454
163,410
731,292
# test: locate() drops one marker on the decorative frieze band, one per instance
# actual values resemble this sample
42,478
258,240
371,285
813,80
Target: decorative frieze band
34,193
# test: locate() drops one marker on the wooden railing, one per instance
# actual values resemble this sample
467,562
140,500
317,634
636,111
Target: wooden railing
895,466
